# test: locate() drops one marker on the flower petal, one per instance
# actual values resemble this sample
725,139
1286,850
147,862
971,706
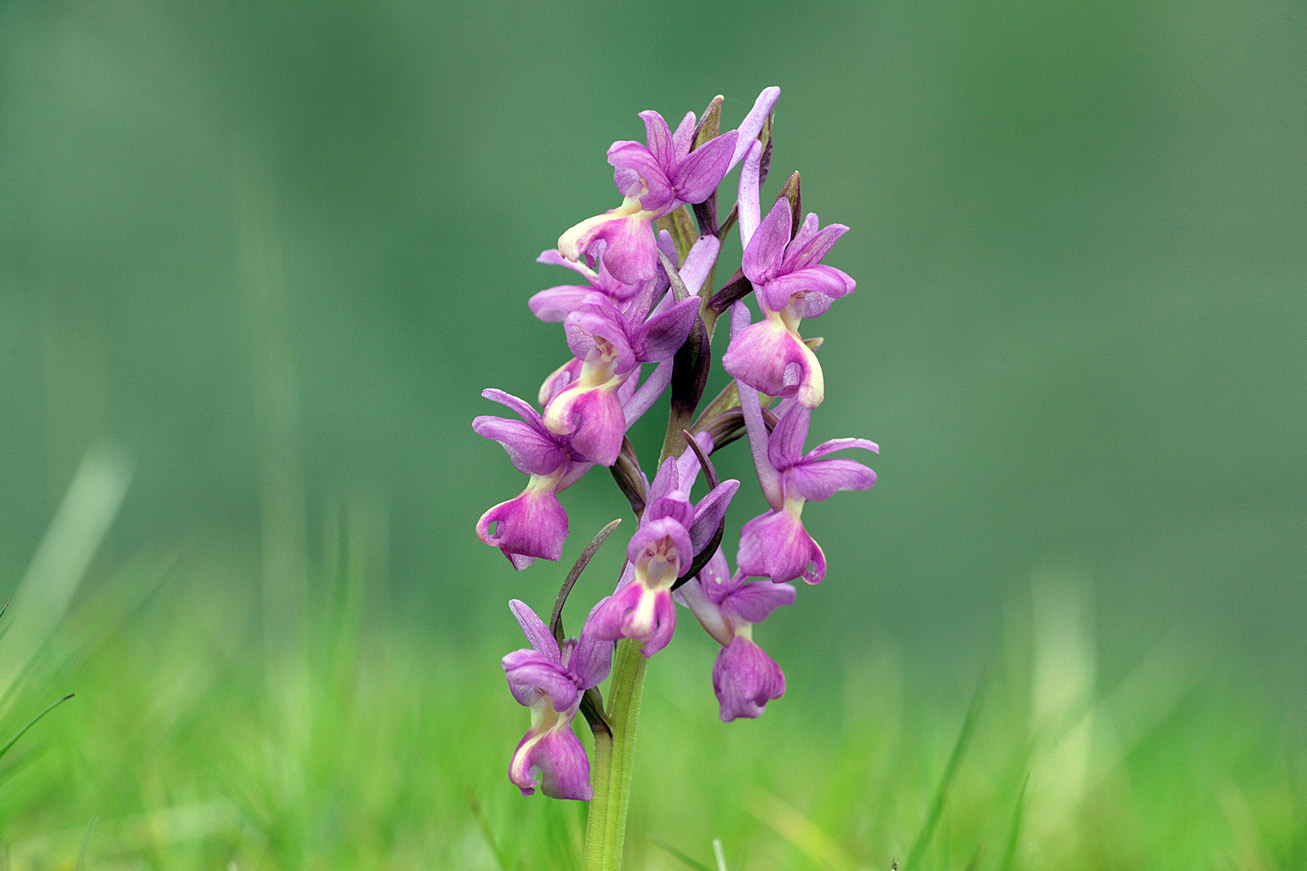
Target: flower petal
824,280
710,511
810,245
530,673
683,138
530,448
768,357
592,419
751,126
663,335
818,480
556,303
753,602
589,324
592,657
766,249
694,596
636,612
699,174
659,138
785,447
775,545
834,445
555,761
532,525
745,679
521,406
536,632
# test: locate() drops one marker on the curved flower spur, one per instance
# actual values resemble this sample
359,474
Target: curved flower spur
647,295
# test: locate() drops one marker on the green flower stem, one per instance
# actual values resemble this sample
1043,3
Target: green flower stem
605,834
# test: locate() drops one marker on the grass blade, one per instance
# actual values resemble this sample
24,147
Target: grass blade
1014,836
937,804
692,863
501,858
30,723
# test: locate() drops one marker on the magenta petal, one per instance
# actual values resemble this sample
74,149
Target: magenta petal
632,253
659,138
666,480
693,595
766,248
556,303
521,406
768,357
532,525
824,280
775,545
683,138
700,173
637,612
811,244
536,632
591,323
654,531
665,618
751,126
592,657
633,161
529,672
834,445
592,418
753,602
785,447
531,450
817,480
709,512
664,334
745,679
554,761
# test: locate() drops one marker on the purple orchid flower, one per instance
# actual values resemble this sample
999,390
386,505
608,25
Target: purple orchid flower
672,531
744,677
654,180
589,410
609,342
791,284
550,680
775,544
533,524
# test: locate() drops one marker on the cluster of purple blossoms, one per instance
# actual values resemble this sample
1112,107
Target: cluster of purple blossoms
646,296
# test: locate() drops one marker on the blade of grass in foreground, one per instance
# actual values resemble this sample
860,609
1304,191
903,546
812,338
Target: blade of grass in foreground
30,723
937,805
501,858
693,863
1014,836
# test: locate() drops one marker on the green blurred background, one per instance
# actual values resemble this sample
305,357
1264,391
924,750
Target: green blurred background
269,254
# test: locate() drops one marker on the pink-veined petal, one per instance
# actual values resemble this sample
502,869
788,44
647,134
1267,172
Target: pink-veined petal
818,480
536,632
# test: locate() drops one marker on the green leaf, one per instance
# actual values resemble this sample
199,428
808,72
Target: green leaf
23,731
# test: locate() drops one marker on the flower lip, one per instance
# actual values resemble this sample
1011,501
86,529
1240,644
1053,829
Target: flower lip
531,525
745,679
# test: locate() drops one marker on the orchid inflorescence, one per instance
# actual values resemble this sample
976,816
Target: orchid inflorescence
646,301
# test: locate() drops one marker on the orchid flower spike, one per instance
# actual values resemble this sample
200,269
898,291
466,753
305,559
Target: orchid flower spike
744,677
550,679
